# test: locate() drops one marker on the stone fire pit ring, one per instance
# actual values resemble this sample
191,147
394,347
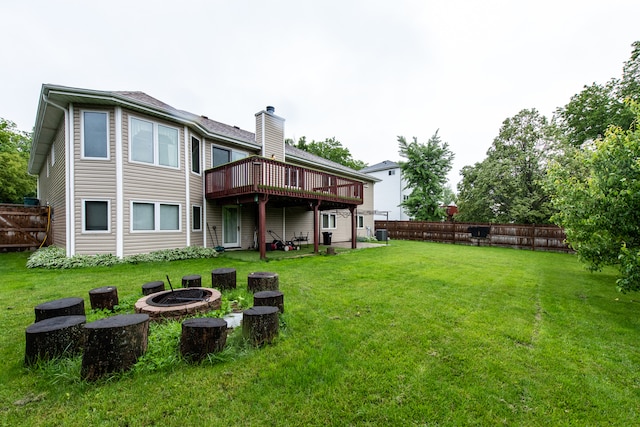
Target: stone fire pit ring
179,303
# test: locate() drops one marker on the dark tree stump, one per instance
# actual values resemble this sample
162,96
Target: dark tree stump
269,298
104,298
223,278
54,337
260,324
193,281
263,281
202,336
331,250
114,344
60,307
152,287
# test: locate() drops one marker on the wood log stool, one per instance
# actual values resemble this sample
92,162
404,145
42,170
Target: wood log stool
202,336
260,324
263,281
269,298
223,278
60,307
193,281
152,287
113,344
104,298
331,250
58,336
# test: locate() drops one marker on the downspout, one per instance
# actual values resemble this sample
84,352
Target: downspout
119,186
69,240
187,187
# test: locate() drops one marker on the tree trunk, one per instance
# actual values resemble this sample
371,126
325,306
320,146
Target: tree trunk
193,281
223,278
54,337
104,298
202,336
152,287
114,344
60,307
260,325
269,298
263,281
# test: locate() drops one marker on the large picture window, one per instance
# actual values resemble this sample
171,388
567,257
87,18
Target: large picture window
95,136
220,156
153,143
95,216
154,216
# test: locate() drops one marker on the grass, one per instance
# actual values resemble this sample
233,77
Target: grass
407,334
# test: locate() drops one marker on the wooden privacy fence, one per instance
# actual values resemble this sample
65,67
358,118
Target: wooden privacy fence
517,236
23,227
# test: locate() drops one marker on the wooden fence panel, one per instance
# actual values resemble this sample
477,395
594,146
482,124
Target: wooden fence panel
23,227
517,236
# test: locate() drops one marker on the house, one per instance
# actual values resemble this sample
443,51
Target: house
389,192
125,173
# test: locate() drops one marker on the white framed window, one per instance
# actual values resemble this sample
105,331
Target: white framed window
96,216
328,221
153,143
360,221
155,216
195,155
95,135
196,218
220,156
392,172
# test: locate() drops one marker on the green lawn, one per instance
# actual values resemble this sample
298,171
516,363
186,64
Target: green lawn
407,334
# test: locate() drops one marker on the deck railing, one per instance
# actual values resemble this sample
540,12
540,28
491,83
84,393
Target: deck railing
267,176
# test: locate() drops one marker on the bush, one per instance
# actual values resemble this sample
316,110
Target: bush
53,257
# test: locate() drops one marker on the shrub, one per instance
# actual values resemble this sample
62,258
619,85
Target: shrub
53,257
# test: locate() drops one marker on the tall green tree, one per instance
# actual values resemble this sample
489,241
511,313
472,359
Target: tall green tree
15,182
599,207
508,186
589,113
425,173
330,149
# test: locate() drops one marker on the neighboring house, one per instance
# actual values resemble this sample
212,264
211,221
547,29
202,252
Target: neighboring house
389,192
125,173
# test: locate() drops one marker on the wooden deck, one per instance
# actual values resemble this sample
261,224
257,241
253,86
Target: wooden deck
284,183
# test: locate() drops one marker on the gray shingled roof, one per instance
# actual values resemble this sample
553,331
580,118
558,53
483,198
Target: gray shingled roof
385,165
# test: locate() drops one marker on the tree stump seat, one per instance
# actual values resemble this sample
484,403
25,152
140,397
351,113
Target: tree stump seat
114,344
223,278
263,281
202,336
260,324
152,287
269,298
61,307
54,337
104,298
192,281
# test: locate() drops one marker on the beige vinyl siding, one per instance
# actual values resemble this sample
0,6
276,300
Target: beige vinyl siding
151,183
196,193
94,180
52,190
274,137
299,221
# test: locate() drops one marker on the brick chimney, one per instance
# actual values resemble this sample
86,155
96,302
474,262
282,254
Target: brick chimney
270,133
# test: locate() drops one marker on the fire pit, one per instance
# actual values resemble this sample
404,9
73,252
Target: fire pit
178,303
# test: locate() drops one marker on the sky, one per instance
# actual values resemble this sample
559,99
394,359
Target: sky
364,72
